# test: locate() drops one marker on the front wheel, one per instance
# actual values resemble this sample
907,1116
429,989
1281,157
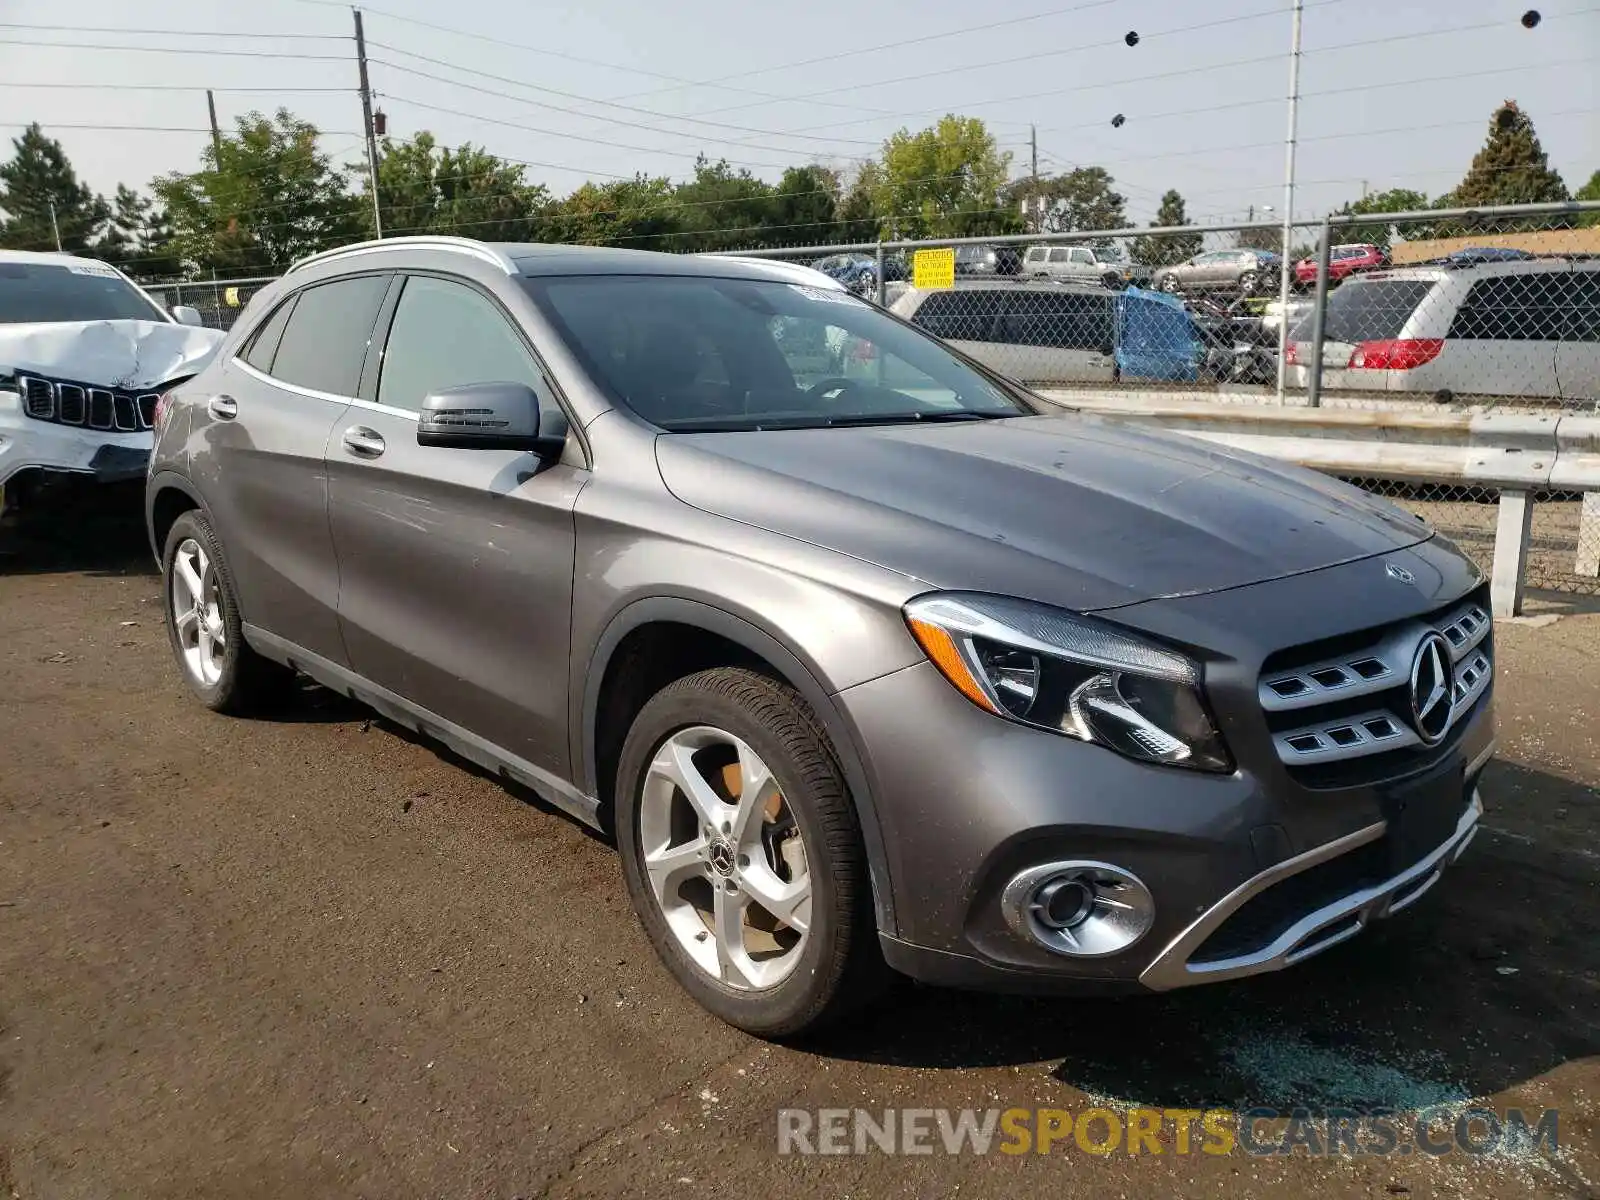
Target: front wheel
1247,283
204,626
742,853
1169,284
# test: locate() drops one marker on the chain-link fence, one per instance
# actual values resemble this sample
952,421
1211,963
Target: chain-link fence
218,301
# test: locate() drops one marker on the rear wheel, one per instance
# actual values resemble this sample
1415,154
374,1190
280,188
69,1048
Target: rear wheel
742,853
1169,283
204,627
1247,283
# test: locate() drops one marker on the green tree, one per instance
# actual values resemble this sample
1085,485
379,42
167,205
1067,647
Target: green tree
138,237
467,192
719,209
1082,198
269,198
1512,168
805,206
945,181
858,214
1167,249
1382,233
38,176
1589,191
639,213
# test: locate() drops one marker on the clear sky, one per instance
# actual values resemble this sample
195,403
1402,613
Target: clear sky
1395,92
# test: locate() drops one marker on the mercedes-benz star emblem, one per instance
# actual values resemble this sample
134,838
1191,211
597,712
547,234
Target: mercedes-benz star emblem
1432,688
1395,571
722,857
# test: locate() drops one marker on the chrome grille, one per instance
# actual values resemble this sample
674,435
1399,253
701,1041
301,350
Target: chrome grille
110,409
1380,669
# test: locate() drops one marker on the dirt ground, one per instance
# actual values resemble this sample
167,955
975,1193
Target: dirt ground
312,957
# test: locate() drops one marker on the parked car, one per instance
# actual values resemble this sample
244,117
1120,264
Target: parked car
1050,333
906,670
973,260
1472,255
859,272
84,352
1243,271
1343,261
1106,265
1519,328
1238,346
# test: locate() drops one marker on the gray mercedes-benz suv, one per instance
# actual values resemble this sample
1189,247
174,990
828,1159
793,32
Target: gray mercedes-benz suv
866,656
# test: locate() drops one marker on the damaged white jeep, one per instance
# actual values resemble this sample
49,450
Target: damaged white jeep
84,356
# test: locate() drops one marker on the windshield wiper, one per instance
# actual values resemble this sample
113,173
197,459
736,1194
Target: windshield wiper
914,418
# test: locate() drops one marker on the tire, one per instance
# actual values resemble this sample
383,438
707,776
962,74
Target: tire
867,284
1247,283
835,965
1111,280
1169,284
223,672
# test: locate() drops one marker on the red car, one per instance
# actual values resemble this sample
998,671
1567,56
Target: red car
1342,261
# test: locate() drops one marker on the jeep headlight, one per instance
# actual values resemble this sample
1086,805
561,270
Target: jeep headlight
1070,674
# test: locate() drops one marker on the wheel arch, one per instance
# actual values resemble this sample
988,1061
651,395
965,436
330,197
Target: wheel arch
167,497
767,649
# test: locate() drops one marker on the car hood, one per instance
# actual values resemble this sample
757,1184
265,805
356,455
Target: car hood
1070,510
119,354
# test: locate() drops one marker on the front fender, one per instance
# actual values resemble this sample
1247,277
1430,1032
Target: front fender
800,674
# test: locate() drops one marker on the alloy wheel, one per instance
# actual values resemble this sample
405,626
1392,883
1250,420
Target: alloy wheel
197,613
725,858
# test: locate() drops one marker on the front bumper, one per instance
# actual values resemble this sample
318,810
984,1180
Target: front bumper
27,444
1246,873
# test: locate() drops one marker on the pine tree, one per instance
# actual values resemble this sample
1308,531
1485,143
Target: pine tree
1168,249
138,237
1512,167
38,175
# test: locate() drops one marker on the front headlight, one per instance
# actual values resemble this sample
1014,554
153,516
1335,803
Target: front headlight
1070,674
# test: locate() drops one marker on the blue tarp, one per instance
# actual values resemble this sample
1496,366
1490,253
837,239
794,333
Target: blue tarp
1156,339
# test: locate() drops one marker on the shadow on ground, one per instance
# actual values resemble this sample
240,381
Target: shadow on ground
100,532
1485,984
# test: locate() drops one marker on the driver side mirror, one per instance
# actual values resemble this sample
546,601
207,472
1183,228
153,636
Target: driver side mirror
487,416
183,314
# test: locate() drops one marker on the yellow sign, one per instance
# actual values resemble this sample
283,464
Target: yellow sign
230,297
934,268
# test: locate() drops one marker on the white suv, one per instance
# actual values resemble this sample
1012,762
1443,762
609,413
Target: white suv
84,354
1514,329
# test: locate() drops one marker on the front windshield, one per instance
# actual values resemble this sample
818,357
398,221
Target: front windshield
692,353
31,291
1111,254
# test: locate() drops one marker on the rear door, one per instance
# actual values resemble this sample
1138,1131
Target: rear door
1055,337
1503,338
261,468
456,565
1578,353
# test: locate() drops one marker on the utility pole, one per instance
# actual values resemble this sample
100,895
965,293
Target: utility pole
366,123
55,228
1033,151
1288,193
216,131
1033,176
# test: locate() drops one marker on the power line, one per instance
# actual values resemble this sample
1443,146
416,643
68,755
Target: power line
177,50
322,37
587,116
578,137
165,87
206,129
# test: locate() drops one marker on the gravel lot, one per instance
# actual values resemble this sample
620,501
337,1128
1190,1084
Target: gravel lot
313,957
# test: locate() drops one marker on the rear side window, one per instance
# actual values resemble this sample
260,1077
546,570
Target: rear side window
446,334
1063,321
1516,308
958,316
264,342
1371,310
1584,297
1037,254
325,341
1061,254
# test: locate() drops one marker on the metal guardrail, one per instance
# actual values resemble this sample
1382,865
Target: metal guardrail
1517,455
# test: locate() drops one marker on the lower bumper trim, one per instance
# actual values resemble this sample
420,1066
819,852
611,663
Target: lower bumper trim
1317,931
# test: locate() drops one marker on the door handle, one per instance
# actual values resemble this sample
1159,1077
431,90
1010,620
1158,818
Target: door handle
223,408
363,442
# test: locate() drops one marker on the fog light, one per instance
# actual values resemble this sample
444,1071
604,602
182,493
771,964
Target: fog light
1080,909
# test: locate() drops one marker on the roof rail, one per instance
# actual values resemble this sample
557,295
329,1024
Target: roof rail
459,245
